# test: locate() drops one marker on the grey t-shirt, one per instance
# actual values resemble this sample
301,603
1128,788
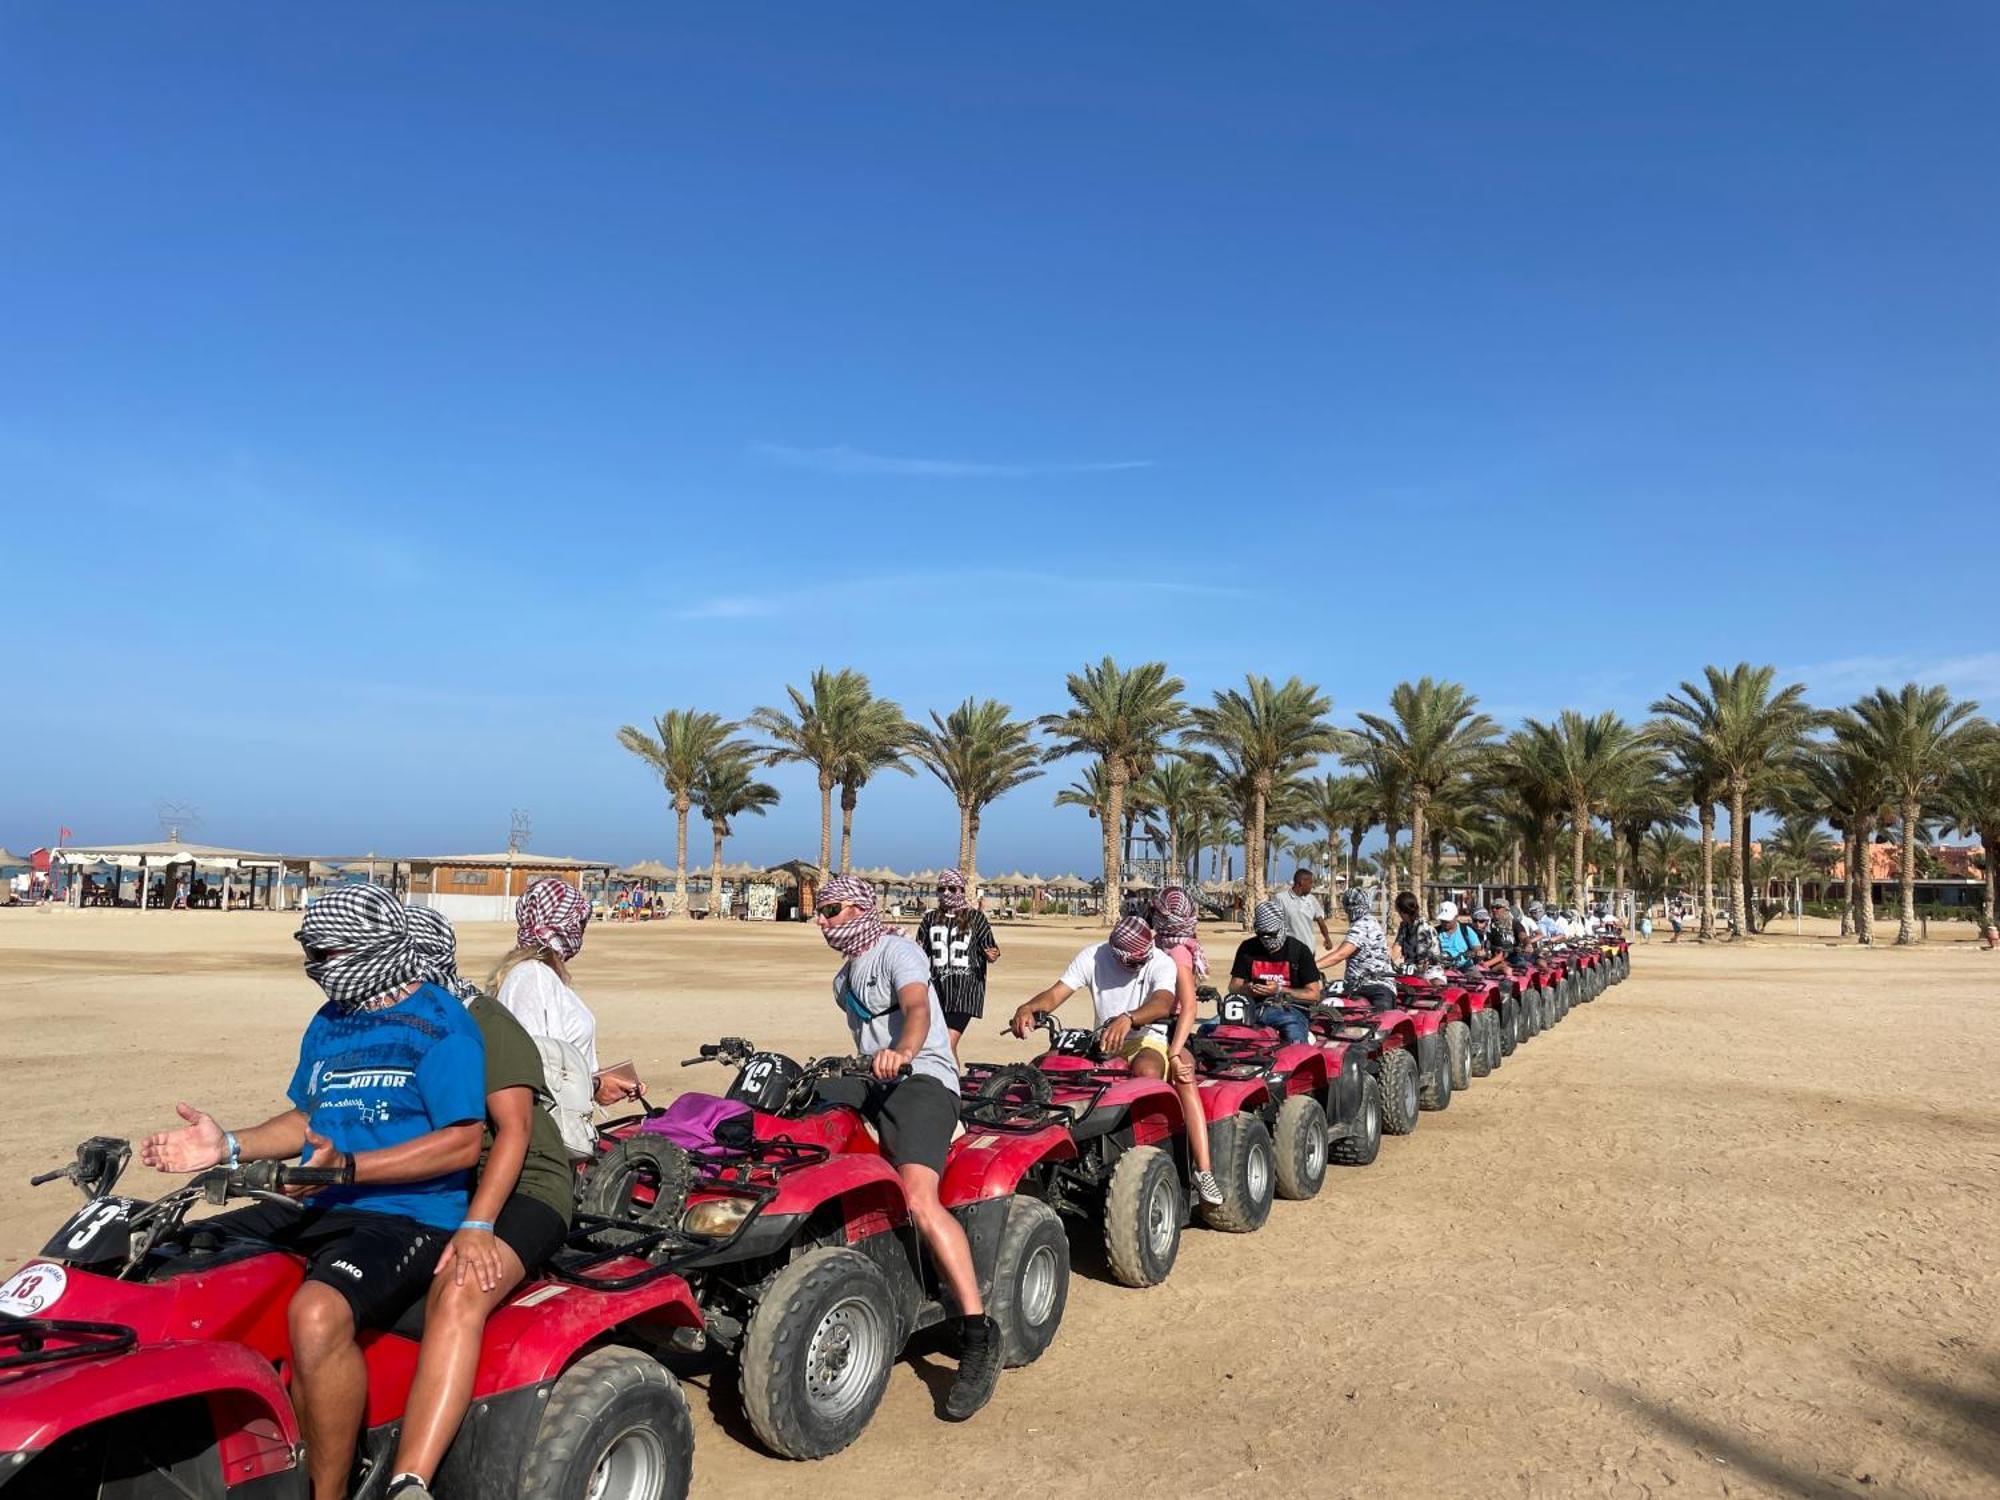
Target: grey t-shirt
1301,912
865,990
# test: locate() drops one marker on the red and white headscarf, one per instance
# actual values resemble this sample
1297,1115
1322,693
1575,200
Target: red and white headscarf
551,914
951,892
1132,940
1174,920
859,932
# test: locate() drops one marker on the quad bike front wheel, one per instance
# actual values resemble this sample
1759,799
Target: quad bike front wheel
1494,1051
1142,1217
1300,1144
1362,1140
1485,1055
1030,1281
1240,1147
1434,1082
1458,1053
1401,1096
1509,1029
615,1427
817,1352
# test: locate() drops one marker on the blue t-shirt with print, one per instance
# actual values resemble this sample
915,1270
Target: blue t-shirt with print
379,1078
1454,944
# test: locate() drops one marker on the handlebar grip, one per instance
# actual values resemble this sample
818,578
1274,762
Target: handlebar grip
690,1062
314,1177
48,1177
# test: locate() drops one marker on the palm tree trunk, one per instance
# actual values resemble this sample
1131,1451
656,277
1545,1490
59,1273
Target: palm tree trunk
825,823
1751,920
1986,895
1259,844
968,851
1174,846
1114,821
716,910
1906,927
848,798
1739,876
1864,880
1848,862
1579,815
1354,838
1420,806
1514,861
1389,860
1618,880
1707,815
681,806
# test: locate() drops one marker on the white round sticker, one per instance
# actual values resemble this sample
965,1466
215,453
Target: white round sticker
32,1290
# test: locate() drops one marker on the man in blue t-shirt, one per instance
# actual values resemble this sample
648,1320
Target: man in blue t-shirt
390,1090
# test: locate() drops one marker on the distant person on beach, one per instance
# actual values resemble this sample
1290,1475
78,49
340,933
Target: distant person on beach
959,942
1303,912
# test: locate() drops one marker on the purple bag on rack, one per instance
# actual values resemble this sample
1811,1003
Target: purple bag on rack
700,1123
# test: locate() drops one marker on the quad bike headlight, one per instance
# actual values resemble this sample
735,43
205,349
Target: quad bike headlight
716,1218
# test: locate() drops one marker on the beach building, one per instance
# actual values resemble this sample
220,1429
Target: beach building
169,873
484,887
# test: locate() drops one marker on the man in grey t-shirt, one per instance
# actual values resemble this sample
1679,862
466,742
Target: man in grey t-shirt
1303,912
884,990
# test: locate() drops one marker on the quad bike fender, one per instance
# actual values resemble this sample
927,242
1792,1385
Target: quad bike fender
1222,1098
256,1433
984,1223
1341,1093
991,1164
1155,1115
1430,1052
535,1337
1307,1067
866,1188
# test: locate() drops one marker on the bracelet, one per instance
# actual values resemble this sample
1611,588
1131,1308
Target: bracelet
476,1224
229,1144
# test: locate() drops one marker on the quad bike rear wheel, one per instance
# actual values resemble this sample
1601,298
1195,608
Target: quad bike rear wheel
1401,1097
1361,1142
817,1352
1142,1217
1485,1042
1494,1051
1030,1281
615,1428
1434,1087
1300,1145
1240,1147
1509,1028
1458,1053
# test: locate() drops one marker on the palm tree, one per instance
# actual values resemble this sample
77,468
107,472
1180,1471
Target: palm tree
1972,794
1798,851
875,737
683,742
813,734
980,754
1123,718
1687,731
1432,735
1749,731
1340,805
1177,792
1386,794
1264,735
1530,765
727,789
1585,760
1645,800
1667,853
1914,735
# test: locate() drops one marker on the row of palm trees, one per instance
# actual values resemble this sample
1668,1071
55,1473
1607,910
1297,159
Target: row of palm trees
1267,757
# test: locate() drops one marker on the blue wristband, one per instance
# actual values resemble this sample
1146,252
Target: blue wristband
230,1145
475,1224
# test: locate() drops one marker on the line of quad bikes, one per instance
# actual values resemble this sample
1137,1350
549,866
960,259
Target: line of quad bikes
148,1357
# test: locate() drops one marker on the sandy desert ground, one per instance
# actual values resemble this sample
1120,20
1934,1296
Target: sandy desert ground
1731,1230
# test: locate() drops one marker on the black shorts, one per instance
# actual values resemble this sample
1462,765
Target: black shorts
381,1263
916,1117
530,1228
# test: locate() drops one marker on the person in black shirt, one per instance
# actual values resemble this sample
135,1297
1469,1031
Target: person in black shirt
959,942
1276,971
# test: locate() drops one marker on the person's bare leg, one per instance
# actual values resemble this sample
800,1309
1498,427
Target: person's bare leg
1189,1089
329,1385
944,1235
954,1035
454,1324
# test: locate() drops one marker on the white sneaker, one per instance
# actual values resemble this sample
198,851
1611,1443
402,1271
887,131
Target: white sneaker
1207,1189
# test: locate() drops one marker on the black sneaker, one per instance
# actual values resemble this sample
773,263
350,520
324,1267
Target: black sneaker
978,1367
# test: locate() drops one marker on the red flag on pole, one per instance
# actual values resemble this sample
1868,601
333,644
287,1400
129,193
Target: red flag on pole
62,834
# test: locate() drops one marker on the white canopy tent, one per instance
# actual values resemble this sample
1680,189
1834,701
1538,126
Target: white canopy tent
236,866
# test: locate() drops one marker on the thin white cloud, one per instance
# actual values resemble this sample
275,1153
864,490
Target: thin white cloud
966,587
854,463
1974,674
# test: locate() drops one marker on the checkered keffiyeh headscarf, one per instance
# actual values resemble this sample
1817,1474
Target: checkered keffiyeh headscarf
1354,901
859,932
1268,922
551,914
437,942
1132,940
376,958
951,892
1174,923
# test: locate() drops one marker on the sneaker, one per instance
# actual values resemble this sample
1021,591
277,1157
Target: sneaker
978,1367
1208,1189
408,1487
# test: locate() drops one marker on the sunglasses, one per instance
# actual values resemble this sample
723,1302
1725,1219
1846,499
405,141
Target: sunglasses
319,955
832,908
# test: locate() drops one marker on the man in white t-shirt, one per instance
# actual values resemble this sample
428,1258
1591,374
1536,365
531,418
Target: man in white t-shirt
1133,988
1303,912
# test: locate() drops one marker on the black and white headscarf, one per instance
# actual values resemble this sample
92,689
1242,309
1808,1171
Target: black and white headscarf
438,942
369,929
1268,921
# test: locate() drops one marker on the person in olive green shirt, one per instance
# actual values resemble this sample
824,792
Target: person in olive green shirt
518,1217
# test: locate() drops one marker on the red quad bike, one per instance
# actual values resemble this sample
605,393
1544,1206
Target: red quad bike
1617,950
1127,1172
147,1358
1415,1064
1324,1100
809,1271
1473,1011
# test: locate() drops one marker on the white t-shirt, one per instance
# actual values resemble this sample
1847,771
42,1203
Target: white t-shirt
1117,989
1301,915
536,997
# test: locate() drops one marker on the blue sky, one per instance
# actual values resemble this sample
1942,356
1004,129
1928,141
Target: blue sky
395,399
